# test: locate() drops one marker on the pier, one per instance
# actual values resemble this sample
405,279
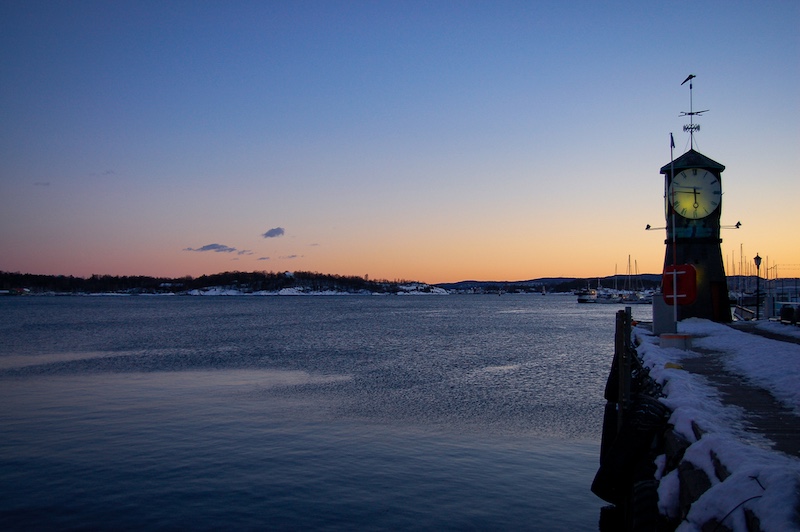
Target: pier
763,414
726,454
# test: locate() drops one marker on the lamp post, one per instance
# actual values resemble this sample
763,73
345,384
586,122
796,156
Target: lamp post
757,260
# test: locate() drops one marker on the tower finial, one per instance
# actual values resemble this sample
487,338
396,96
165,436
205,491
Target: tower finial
691,127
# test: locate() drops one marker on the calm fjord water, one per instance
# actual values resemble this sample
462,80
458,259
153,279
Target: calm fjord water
328,413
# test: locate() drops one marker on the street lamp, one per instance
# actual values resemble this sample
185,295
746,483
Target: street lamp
757,260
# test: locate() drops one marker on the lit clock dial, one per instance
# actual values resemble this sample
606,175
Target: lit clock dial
694,193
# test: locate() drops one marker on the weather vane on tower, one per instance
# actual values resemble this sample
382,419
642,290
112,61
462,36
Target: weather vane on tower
691,127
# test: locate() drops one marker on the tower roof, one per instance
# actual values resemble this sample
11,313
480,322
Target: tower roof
692,159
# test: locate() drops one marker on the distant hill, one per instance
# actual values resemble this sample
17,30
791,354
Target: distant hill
230,282
249,282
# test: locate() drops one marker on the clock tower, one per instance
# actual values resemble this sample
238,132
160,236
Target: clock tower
694,276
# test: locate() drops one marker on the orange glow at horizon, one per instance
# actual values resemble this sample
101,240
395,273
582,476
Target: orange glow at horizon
388,148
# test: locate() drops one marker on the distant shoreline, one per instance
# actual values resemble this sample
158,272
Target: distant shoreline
272,283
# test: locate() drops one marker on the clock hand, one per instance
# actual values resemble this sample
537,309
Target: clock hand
694,190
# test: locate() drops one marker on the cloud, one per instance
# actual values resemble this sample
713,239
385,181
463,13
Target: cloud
104,173
42,184
263,258
221,248
274,232
289,257
217,248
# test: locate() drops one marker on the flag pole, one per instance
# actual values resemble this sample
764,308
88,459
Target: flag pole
674,240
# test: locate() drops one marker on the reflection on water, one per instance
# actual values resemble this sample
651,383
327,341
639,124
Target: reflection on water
334,413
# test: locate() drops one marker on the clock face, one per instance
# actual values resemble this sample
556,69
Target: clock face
695,193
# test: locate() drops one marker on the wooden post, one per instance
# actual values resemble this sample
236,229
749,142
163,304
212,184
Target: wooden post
619,352
622,341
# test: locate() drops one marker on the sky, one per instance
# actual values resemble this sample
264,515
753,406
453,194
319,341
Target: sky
430,141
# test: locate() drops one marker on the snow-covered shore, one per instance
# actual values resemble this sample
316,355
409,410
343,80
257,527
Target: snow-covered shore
763,481
402,290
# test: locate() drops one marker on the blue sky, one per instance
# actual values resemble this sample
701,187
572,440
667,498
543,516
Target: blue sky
436,141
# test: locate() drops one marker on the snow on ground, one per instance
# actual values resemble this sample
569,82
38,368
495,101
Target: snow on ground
214,291
417,289
411,289
765,481
778,328
769,364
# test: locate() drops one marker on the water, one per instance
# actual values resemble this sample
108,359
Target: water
328,413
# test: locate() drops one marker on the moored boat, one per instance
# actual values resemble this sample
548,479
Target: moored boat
586,295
